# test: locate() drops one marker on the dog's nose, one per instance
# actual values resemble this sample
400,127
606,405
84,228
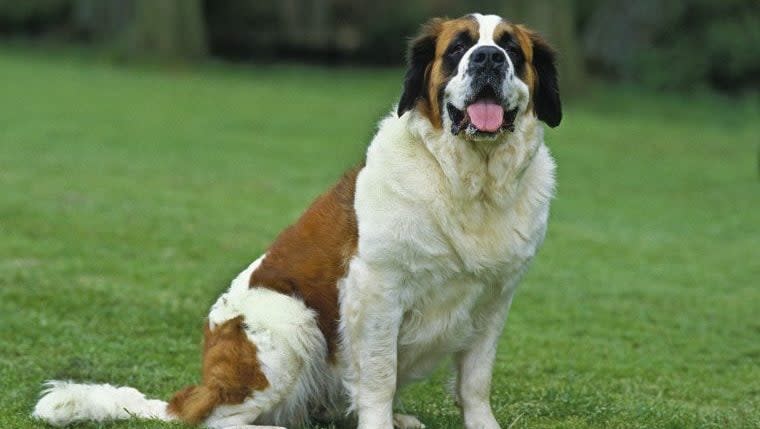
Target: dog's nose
488,57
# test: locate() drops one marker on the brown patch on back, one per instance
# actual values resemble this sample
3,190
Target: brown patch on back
231,373
309,257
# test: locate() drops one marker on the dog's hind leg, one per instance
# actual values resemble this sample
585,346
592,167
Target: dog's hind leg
264,362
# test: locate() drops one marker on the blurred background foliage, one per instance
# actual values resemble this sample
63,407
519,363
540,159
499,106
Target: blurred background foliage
671,44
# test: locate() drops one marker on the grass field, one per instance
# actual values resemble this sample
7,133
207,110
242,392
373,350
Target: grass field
130,197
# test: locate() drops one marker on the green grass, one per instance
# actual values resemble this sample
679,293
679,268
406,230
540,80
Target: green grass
129,197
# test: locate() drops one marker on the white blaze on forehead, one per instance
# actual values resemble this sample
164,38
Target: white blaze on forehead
487,26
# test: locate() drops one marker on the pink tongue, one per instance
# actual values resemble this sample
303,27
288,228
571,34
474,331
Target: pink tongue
486,116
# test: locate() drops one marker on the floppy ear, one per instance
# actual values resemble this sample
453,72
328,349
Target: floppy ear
546,100
421,53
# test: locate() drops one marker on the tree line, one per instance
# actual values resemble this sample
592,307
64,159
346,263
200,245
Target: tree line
667,44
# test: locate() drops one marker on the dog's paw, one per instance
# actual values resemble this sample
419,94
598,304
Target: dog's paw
481,422
404,421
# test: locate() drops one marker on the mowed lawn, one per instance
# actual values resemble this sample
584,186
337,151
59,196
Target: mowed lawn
129,197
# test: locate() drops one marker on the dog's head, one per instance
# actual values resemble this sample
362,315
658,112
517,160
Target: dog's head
477,75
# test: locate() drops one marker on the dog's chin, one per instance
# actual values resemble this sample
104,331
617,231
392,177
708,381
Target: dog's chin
488,129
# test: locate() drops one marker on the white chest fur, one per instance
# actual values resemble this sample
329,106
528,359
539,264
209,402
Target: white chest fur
444,229
427,202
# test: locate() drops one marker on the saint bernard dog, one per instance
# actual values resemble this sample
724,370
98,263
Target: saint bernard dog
411,258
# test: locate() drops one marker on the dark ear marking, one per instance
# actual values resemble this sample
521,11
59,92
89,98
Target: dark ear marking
421,53
546,100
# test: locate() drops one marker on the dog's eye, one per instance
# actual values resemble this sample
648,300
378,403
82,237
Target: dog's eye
457,49
510,46
514,51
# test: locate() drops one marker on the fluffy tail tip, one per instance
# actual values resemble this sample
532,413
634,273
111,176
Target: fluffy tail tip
64,402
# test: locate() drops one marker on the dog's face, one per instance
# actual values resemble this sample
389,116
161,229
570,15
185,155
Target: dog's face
475,76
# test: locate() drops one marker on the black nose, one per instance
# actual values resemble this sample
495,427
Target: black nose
488,57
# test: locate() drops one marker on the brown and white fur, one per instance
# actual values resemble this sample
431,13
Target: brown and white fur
411,258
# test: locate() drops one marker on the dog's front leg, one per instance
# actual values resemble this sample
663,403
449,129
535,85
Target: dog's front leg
475,366
371,315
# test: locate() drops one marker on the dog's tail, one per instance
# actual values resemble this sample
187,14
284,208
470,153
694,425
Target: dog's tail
63,403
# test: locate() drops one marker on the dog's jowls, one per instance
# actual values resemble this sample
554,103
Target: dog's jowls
412,257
